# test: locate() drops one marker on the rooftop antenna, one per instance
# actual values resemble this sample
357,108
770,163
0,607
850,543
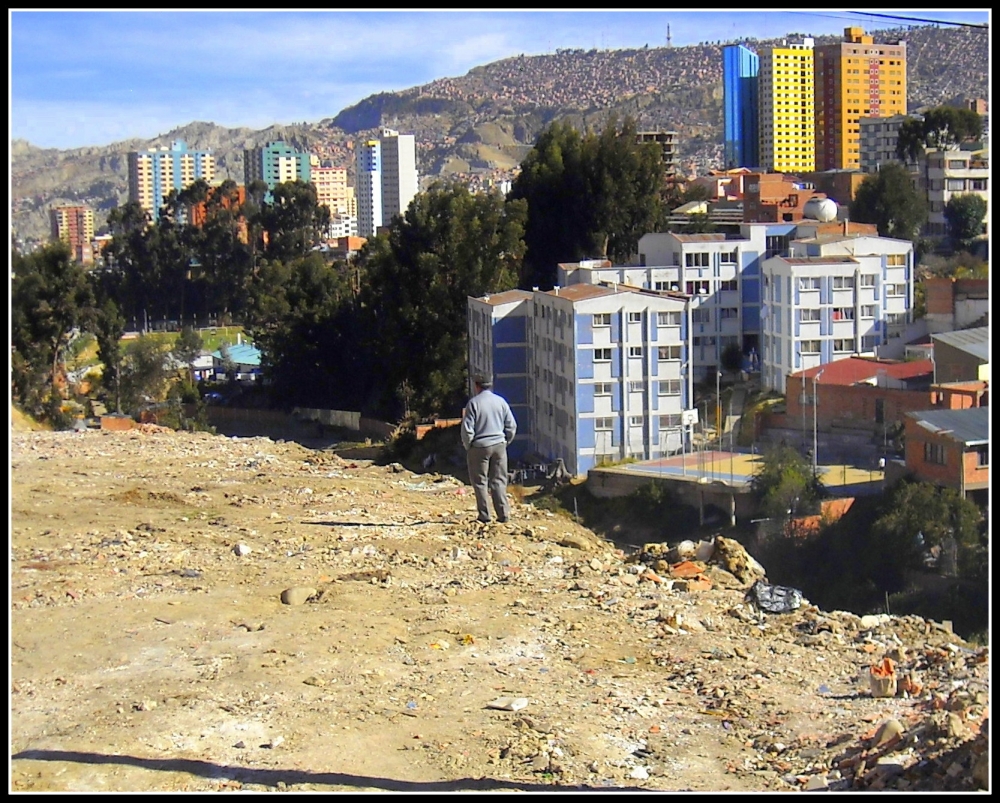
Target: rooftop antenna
670,42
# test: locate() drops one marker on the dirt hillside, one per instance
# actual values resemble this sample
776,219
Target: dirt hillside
191,612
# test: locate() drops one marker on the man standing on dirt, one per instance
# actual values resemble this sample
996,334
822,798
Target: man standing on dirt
487,427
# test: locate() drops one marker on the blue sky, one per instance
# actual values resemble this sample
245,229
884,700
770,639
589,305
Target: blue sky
92,78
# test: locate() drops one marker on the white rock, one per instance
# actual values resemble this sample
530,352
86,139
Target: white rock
639,773
508,703
241,549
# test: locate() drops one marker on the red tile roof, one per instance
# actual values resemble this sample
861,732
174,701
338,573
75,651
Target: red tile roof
852,370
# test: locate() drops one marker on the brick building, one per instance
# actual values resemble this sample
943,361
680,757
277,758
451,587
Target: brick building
956,303
950,448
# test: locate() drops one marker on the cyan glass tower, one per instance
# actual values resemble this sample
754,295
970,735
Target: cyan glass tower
740,67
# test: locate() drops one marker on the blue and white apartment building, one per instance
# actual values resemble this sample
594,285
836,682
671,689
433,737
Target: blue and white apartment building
603,374
833,296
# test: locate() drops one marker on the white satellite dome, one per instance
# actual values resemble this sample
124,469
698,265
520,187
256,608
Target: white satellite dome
822,209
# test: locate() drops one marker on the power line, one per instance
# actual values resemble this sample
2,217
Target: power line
921,19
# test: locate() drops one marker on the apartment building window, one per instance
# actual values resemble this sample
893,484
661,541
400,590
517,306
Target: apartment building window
807,315
843,313
934,453
843,345
636,387
635,420
699,288
955,184
701,315
602,388
957,164
670,421
604,424
635,351
843,282
868,343
867,279
729,313
895,289
698,259
896,260
661,286
602,319
895,318
668,319
670,387
705,340
982,456
635,317
978,184
775,246
729,285
867,310
809,347
664,353
602,355
809,282
728,257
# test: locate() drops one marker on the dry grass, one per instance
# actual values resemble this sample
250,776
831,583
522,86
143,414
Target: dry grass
22,422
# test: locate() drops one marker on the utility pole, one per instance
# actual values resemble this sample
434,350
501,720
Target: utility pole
816,377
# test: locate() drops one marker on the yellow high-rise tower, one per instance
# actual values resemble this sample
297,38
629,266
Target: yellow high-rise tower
785,99
855,78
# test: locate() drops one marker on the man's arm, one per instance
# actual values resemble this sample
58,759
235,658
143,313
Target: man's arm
509,424
468,426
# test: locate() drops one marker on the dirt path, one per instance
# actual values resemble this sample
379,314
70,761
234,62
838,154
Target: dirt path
149,655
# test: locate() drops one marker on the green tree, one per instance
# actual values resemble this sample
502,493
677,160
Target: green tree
889,200
187,348
294,220
417,281
732,357
143,373
110,326
587,195
785,484
50,299
949,126
911,141
303,319
965,215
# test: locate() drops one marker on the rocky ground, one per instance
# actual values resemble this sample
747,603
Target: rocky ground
194,612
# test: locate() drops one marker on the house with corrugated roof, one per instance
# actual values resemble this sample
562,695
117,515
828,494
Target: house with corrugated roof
950,448
963,355
245,360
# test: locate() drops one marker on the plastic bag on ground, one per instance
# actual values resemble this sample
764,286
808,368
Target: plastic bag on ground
775,599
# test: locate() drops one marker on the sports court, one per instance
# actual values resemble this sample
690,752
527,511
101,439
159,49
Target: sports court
738,468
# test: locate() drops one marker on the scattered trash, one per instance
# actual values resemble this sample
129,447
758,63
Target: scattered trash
882,678
774,599
508,703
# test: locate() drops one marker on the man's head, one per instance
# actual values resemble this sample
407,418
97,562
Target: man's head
483,381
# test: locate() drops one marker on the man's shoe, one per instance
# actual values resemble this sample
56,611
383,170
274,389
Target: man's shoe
483,521
502,520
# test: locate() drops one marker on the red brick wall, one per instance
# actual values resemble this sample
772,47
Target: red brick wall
116,423
942,474
847,405
975,475
939,296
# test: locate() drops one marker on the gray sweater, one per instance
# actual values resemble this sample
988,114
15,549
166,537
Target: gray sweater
488,421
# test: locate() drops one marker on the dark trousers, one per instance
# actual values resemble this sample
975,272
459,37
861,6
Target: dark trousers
488,475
